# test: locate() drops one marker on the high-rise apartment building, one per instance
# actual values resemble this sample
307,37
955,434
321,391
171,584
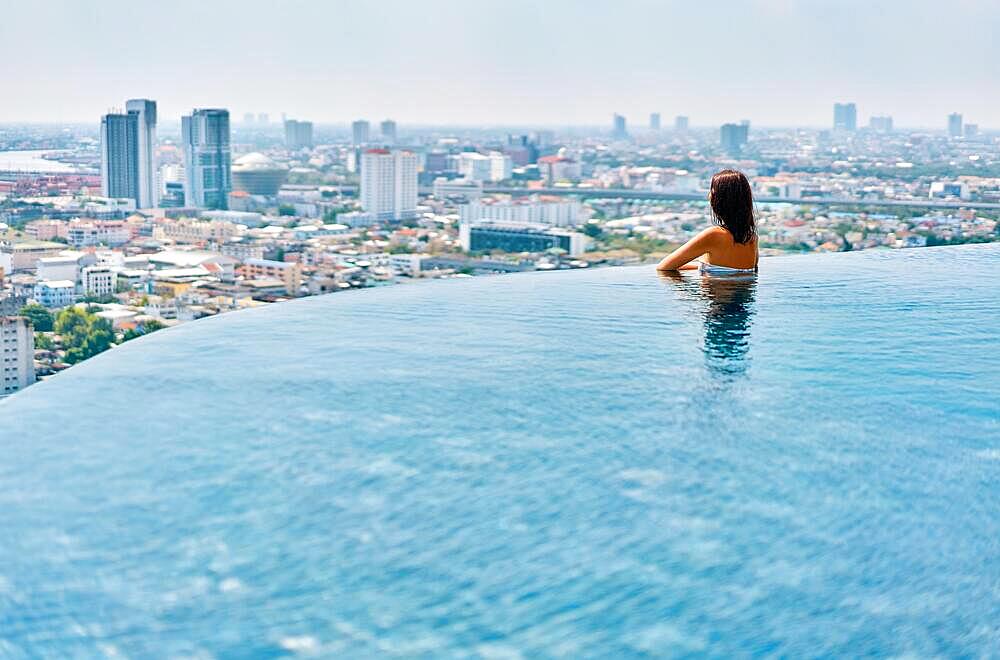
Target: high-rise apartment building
882,124
119,154
389,183
145,114
17,354
654,121
955,124
618,130
207,158
128,153
680,123
388,130
360,132
298,134
845,117
732,137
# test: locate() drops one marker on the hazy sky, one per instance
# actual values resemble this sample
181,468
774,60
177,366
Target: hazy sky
556,62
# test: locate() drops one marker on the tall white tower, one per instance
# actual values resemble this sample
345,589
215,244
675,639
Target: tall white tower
145,112
389,183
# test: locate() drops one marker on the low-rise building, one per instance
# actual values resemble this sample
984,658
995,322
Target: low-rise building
520,237
99,280
186,230
65,266
548,211
21,256
469,189
112,233
290,273
46,230
241,250
55,293
225,265
406,264
357,219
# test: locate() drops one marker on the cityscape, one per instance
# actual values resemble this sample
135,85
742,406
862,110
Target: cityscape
132,224
527,330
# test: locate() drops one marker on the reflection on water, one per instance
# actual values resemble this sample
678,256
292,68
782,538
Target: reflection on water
729,302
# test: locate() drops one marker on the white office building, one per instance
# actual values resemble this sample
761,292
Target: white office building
473,165
389,184
494,166
207,159
17,354
99,280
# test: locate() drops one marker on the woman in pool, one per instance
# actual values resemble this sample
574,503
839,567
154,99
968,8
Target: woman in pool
731,245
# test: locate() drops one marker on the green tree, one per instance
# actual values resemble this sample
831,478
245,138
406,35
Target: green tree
44,341
40,317
83,333
144,329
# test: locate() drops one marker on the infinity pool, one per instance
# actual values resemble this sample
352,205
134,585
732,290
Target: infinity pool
588,463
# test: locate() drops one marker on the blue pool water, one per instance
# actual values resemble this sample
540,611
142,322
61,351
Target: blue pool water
577,464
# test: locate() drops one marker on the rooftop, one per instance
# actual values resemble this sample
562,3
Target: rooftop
599,462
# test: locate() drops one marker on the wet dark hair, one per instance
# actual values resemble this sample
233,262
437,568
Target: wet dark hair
732,205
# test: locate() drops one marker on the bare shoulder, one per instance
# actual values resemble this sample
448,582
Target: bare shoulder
714,234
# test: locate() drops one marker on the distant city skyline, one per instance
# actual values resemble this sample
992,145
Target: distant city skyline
775,62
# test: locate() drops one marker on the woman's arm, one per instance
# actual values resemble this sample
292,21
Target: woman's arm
681,257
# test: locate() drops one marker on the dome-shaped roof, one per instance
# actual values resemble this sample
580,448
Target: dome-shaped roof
256,161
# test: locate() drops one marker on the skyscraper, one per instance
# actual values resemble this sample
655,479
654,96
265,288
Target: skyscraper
681,123
618,129
128,150
119,156
845,116
298,134
389,184
654,121
732,137
882,124
388,130
207,158
360,131
145,113
955,124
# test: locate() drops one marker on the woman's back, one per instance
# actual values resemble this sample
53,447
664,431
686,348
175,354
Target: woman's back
725,251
